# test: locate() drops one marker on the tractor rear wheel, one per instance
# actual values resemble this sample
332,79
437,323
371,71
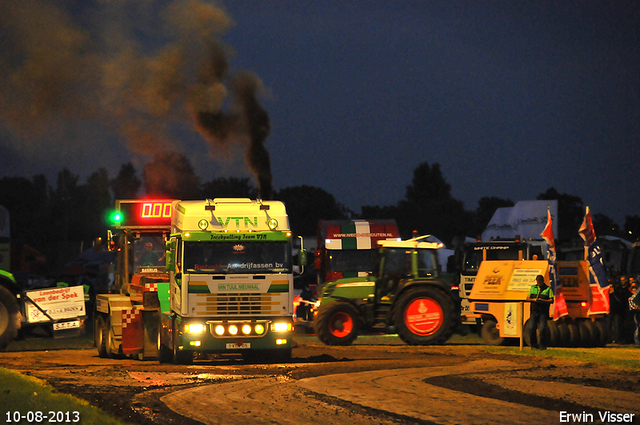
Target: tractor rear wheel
338,323
424,316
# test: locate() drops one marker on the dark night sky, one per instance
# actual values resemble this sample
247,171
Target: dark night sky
509,97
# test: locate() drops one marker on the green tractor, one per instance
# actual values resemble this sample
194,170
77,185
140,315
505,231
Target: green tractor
409,292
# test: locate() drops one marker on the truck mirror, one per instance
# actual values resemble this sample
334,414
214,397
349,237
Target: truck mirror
302,257
170,263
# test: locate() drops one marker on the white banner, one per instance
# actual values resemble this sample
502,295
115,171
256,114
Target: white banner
59,303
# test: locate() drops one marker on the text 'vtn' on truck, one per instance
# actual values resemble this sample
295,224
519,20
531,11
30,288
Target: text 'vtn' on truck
227,287
408,292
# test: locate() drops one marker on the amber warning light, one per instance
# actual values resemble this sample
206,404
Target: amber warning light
144,213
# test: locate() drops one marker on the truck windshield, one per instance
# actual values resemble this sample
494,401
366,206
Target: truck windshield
237,257
355,260
473,255
149,252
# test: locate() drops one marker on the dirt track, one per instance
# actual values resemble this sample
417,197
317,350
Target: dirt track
384,382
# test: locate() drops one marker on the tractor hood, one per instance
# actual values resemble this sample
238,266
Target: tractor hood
352,288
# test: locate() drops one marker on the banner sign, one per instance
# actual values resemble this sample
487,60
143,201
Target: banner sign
59,303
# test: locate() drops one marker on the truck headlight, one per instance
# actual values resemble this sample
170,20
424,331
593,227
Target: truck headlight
281,327
194,328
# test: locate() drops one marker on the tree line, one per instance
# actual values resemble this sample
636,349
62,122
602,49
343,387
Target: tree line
68,213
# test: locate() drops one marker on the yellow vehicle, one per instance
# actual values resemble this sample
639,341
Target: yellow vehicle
499,298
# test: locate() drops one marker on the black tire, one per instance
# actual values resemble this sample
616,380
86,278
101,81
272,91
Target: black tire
179,357
108,337
591,335
603,335
9,317
338,323
574,335
563,330
164,353
490,333
99,335
424,316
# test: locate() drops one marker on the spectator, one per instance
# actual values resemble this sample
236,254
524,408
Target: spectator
618,309
634,307
541,298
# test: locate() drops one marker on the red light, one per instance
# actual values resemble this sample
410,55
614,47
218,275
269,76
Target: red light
156,210
144,213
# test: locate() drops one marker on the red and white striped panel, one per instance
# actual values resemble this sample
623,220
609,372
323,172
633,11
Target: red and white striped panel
129,316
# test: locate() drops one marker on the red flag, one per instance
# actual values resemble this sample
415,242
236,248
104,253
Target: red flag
559,304
547,233
586,229
599,303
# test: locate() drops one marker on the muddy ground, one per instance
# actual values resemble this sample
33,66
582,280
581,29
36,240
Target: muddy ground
341,385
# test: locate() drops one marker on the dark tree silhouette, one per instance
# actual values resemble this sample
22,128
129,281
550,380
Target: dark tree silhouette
429,207
126,184
306,205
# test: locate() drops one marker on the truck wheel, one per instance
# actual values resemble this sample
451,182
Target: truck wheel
338,323
99,334
424,316
179,357
164,352
490,333
9,317
109,338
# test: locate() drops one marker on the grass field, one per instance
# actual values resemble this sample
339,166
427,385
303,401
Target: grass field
29,400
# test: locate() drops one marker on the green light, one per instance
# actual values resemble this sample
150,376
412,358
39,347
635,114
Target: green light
115,217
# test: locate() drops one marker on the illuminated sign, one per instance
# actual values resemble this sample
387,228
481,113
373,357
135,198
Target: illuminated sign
144,213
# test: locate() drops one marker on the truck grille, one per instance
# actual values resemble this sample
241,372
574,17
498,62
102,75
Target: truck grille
238,304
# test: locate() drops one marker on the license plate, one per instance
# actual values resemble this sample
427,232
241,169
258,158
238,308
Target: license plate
60,326
234,346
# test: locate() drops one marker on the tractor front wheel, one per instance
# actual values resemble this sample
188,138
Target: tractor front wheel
338,323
